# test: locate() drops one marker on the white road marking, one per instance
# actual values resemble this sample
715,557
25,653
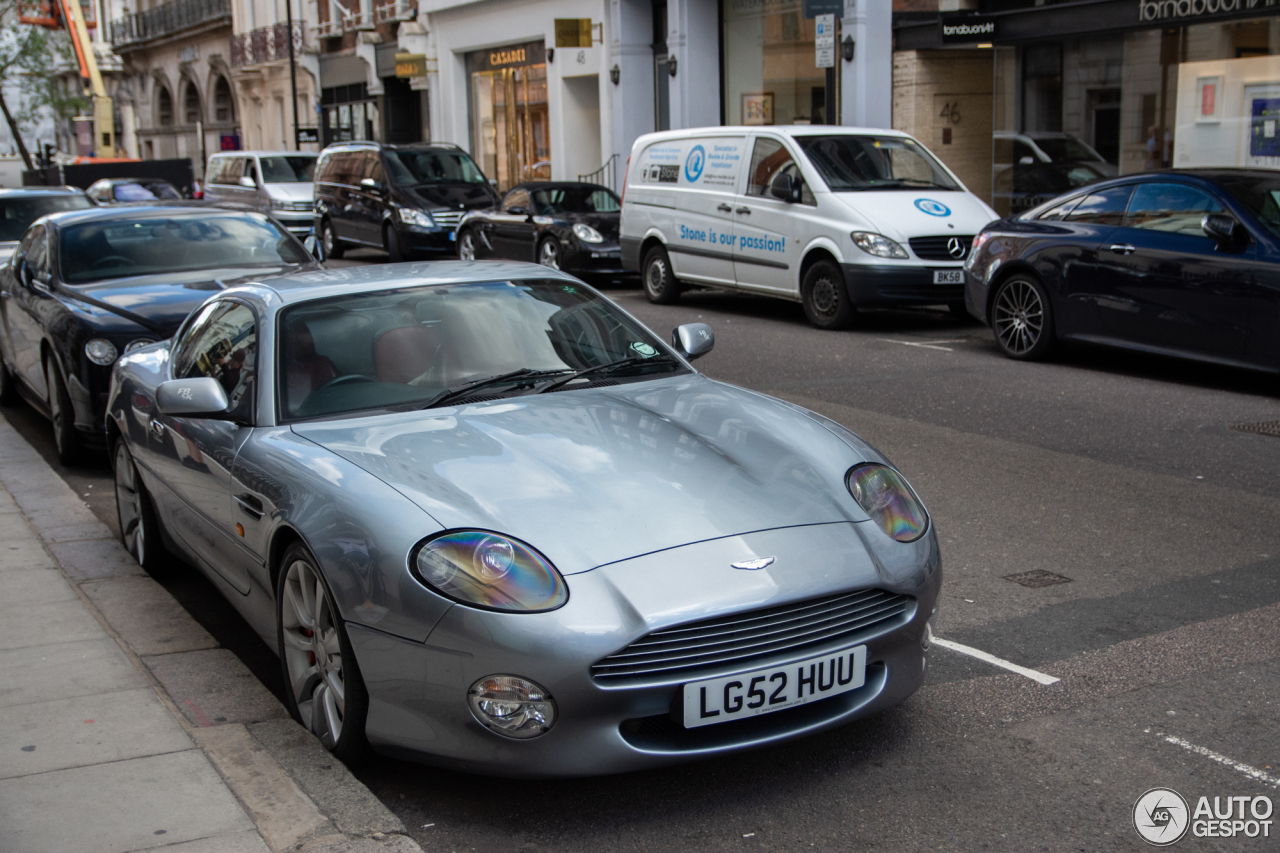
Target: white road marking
995,661
924,344
1244,769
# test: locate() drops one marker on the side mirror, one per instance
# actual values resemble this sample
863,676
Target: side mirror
314,248
22,272
1225,230
371,185
693,340
248,181
199,398
783,187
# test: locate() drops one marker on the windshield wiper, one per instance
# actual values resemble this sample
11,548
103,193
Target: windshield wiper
453,393
609,367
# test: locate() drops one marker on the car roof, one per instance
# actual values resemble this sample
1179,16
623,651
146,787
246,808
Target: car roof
281,153
370,145
320,284
18,192
139,211
792,130
115,181
550,185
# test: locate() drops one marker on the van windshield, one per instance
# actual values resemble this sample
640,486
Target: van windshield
287,170
433,166
856,163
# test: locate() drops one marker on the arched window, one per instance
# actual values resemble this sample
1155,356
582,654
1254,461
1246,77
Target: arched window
222,108
165,106
191,104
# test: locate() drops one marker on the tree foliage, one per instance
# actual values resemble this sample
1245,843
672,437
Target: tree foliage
31,58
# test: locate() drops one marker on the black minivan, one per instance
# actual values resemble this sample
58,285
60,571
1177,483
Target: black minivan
406,199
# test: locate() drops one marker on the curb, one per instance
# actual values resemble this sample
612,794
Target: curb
300,798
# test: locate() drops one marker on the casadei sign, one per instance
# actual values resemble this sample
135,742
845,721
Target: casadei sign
968,29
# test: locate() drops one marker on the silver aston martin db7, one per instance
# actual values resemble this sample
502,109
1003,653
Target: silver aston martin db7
492,522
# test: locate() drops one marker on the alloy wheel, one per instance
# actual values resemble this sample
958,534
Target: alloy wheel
1018,317
549,254
467,246
129,506
313,654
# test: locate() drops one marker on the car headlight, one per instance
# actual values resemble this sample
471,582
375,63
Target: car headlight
886,497
587,234
878,245
420,218
490,571
137,345
101,351
515,707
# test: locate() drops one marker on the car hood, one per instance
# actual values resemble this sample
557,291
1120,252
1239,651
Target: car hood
903,214
453,196
162,302
291,192
594,476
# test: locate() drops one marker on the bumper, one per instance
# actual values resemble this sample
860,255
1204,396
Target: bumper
298,224
876,286
587,261
426,241
418,707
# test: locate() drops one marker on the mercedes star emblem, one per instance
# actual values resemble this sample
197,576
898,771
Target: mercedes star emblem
955,248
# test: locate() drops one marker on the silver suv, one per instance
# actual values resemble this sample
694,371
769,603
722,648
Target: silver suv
275,182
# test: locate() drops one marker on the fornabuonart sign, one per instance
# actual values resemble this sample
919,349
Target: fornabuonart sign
961,29
1168,10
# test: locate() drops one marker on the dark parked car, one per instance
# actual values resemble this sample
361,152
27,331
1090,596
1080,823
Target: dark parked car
123,190
1183,262
405,199
565,226
85,286
20,207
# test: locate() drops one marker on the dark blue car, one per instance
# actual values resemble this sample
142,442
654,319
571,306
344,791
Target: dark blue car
1183,263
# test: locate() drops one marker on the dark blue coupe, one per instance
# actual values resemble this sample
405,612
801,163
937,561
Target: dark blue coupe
1183,263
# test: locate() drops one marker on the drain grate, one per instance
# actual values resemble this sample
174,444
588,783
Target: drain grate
1263,428
1037,578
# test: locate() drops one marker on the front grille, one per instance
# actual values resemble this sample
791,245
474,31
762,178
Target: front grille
294,206
447,218
745,637
937,248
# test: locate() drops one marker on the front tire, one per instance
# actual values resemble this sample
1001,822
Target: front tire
826,299
391,243
333,247
660,284
65,435
139,528
323,688
1022,319
549,253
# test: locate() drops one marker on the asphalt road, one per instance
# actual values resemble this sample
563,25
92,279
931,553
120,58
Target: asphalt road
1120,474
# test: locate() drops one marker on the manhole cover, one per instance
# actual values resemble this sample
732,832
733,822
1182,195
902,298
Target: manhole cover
1264,428
1037,578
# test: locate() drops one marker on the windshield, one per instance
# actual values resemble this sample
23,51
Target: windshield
1260,194
854,163
119,248
146,191
1061,148
432,166
287,170
17,214
576,200
403,348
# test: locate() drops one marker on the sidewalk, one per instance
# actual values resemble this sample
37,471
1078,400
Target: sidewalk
122,725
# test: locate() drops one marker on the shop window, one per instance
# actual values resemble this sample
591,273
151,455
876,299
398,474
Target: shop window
509,115
164,107
769,71
222,106
1042,87
191,104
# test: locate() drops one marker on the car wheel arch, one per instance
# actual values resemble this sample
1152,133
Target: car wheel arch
649,242
812,256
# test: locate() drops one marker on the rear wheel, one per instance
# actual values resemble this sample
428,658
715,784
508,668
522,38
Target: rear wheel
1022,319
139,528
660,285
826,299
391,243
8,385
323,687
467,246
333,247
65,435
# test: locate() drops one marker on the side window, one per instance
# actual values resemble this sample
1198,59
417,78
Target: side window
373,168
770,158
517,199
1058,211
213,175
222,344
1173,208
1105,207
38,255
324,168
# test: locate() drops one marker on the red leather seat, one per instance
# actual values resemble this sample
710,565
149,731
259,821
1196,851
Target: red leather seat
405,353
305,369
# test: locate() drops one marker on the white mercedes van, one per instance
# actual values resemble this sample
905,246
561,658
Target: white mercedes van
837,218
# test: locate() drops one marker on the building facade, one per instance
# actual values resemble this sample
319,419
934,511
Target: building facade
272,96
1006,91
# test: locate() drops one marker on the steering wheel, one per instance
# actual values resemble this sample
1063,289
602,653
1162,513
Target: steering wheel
118,259
346,379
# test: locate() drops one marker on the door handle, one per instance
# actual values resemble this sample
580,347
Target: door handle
1123,249
745,210
724,208
250,505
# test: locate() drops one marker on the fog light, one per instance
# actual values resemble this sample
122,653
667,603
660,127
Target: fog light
100,351
511,706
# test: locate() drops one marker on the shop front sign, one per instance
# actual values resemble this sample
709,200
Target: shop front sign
411,65
573,32
969,29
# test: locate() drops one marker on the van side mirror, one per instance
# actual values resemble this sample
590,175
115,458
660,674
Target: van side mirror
783,187
202,397
1225,230
371,185
693,340
248,182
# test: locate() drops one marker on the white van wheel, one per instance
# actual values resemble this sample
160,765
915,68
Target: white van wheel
826,299
660,285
